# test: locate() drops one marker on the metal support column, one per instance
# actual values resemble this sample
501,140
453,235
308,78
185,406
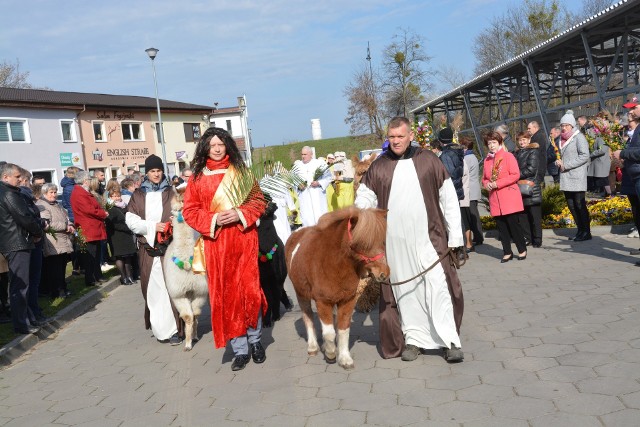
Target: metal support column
476,132
594,72
536,93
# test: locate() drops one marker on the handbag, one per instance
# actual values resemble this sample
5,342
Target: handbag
526,187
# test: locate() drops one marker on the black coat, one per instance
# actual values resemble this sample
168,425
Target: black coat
121,236
452,157
17,224
541,140
528,162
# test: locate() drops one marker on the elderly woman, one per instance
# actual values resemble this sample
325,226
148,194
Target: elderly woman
573,164
121,237
57,245
528,156
500,175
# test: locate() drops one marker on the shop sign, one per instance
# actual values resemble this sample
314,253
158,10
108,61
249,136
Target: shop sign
70,159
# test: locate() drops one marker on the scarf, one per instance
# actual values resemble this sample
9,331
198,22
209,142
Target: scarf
218,164
491,155
565,137
121,204
149,187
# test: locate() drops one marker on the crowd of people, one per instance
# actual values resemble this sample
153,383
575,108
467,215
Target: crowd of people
431,194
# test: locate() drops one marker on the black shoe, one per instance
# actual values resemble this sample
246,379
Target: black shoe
577,236
257,352
478,243
175,339
124,281
40,321
453,354
509,258
130,281
537,245
585,236
90,284
28,330
240,362
522,257
471,249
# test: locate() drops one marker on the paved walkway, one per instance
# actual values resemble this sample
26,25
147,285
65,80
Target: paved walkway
550,341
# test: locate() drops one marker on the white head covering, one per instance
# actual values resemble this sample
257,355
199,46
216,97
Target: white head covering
568,119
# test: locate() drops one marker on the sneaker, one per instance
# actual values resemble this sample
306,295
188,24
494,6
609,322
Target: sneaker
175,339
634,252
453,354
410,353
633,233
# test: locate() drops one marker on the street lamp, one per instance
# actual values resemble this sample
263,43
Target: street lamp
242,105
152,52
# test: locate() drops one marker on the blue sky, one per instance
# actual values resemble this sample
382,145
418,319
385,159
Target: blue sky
292,59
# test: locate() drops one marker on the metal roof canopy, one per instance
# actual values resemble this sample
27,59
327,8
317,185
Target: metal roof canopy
557,74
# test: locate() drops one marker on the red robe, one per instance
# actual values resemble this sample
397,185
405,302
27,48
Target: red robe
231,255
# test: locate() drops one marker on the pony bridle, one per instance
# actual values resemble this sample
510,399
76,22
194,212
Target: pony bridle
361,256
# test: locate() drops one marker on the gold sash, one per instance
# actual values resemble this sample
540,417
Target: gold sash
219,203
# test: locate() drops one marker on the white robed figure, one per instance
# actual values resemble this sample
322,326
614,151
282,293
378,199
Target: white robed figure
163,324
312,197
284,201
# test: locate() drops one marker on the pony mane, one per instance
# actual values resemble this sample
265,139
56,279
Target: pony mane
327,220
370,230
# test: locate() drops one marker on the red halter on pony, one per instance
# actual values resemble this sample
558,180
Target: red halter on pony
362,257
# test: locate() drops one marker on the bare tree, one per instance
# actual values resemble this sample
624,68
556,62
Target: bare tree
520,28
451,76
363,95
405,79
592,7
11,76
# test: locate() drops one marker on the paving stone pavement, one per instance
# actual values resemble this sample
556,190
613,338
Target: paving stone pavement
549,341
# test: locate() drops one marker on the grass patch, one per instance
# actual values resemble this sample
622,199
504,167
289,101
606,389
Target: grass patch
52,307
289,153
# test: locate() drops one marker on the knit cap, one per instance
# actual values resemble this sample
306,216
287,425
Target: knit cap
568,119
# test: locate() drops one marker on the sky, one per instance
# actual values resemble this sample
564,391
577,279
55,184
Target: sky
292,59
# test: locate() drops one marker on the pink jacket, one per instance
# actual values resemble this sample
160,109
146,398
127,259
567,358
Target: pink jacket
506,199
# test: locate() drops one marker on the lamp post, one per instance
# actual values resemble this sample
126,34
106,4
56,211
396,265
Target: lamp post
242,104
152,52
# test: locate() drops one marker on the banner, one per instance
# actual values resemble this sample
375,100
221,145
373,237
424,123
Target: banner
70,159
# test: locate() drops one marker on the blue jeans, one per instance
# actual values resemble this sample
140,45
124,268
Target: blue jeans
240,345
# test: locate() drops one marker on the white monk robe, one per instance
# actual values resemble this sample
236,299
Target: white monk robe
163,324
284,201
313,200
426,310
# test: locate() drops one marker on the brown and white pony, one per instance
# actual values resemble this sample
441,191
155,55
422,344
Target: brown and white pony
325,264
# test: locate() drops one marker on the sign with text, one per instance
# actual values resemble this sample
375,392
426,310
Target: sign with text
70,159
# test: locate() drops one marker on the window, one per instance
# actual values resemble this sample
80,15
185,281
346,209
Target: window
49,175
229,127
68,131
14,130
98,132
158,132
191,132
132,132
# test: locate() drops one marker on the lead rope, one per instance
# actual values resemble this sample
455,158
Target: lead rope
453,259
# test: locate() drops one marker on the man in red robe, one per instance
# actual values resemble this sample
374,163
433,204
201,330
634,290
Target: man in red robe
230,238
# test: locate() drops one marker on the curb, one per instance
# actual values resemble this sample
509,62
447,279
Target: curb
20,345
597,230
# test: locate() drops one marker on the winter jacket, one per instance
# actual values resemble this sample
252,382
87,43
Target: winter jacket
121,236
17,224
552,168
575,160
58,222
471,161
67,185
631,156
506,198
600,160
452,156
528,162
88,214
542,141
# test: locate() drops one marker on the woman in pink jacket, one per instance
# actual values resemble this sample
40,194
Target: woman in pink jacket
500,177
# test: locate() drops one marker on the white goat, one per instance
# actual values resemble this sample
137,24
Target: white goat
188,291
